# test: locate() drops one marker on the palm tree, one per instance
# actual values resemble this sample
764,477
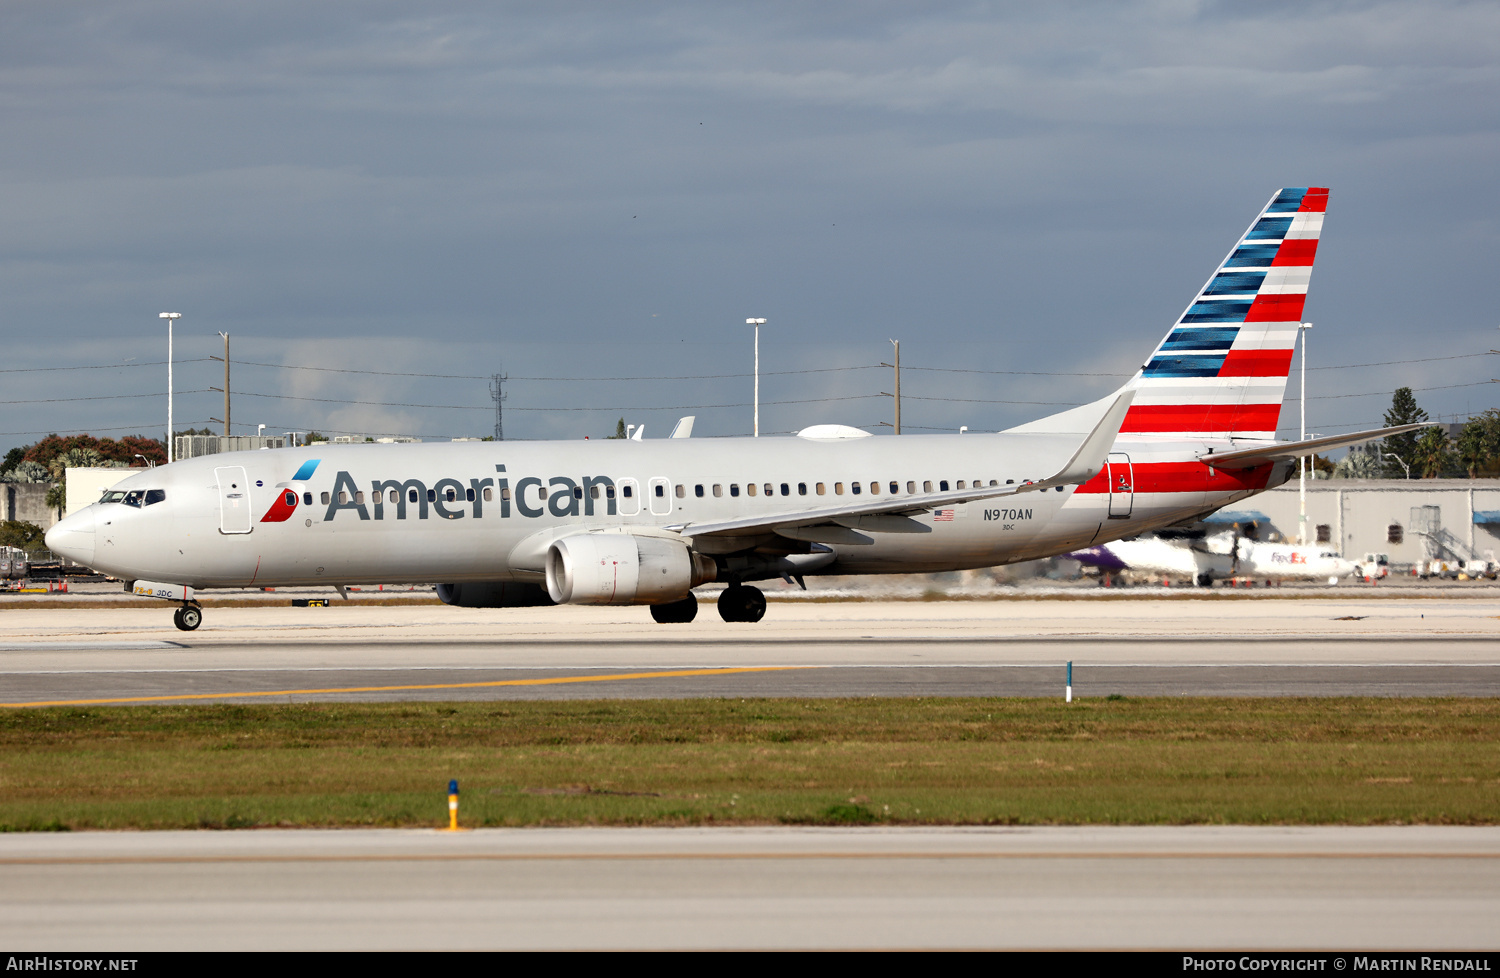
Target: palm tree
1432,454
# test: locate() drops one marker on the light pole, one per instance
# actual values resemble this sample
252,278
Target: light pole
1404,466
171,318
1302,329
757,323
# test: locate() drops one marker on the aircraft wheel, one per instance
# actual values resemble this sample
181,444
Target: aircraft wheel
755,604
1205,580
676,612
188,618
741,603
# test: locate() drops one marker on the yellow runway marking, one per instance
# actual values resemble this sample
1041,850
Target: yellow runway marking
549,681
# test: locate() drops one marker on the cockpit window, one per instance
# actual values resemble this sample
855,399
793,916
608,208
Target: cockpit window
155,496
112,496
133,498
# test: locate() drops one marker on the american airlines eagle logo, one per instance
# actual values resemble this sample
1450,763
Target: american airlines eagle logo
286,499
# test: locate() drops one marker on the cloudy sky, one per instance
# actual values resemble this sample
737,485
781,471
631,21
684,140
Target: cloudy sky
592,197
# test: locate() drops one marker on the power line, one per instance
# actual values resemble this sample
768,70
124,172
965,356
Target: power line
100,366
976,400
1444,387
471,407
1389,363
100,397
89,431
737,376
393,373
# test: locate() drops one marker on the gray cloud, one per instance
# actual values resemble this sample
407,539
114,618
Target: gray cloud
587,190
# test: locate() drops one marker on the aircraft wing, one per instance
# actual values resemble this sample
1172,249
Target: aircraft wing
1087,462
1248,458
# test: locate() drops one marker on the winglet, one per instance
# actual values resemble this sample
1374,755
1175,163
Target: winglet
1089,460
684,427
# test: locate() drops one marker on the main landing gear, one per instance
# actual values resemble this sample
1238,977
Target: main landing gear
740,602
677,612
188,617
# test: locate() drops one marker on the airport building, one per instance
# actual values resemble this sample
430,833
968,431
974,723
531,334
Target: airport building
1411,520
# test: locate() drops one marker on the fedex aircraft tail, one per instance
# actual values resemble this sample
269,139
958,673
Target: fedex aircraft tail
1221,371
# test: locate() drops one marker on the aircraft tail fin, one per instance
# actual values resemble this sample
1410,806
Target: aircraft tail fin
1221,370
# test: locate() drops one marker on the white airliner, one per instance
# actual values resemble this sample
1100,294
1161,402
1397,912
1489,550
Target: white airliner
1218,558
509,524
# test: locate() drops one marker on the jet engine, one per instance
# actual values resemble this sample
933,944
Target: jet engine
617,568
494,594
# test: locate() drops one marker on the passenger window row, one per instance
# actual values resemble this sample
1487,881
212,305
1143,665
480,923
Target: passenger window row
819,488
451,495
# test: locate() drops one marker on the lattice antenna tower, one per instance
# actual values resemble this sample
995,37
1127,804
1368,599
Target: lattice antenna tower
498,395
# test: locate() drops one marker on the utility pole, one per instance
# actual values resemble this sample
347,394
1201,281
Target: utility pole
225,388
897,395
498,395
897,345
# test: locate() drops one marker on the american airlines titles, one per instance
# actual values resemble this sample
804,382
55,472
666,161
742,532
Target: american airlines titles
560,496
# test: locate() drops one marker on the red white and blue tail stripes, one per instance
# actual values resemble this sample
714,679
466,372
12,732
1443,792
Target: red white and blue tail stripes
1222,369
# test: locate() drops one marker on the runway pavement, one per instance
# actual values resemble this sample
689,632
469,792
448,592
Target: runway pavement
1312,646
1094,887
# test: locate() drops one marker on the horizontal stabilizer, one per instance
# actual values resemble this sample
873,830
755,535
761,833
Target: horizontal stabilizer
1249,458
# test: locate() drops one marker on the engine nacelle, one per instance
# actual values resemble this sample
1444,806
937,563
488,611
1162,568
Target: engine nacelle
494,594
617,568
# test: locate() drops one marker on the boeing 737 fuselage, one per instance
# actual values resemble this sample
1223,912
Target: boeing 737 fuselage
644,522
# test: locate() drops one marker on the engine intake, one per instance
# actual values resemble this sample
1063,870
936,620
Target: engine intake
617,568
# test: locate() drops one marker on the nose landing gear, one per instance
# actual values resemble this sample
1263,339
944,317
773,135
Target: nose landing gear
188,617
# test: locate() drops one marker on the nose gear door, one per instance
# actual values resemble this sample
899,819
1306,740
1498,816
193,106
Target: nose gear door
1121,476
234,499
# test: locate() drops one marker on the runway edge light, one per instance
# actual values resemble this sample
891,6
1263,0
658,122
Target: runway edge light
1068,690
453,805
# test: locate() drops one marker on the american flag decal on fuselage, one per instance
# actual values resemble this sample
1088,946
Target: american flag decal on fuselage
1222,369
942,516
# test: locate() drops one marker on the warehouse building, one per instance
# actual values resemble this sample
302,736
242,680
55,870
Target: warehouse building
1411,520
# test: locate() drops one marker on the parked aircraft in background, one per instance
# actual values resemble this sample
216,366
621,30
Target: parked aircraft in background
1221,557
644,522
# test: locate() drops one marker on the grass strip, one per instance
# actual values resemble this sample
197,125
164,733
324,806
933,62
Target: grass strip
765,761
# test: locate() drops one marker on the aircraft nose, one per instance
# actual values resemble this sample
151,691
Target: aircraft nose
73,538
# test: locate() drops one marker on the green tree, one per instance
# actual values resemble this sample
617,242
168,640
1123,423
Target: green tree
1433,453
1403,410
73,458
23,535
1358,465
124,450
619,429
1479,442
27,471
